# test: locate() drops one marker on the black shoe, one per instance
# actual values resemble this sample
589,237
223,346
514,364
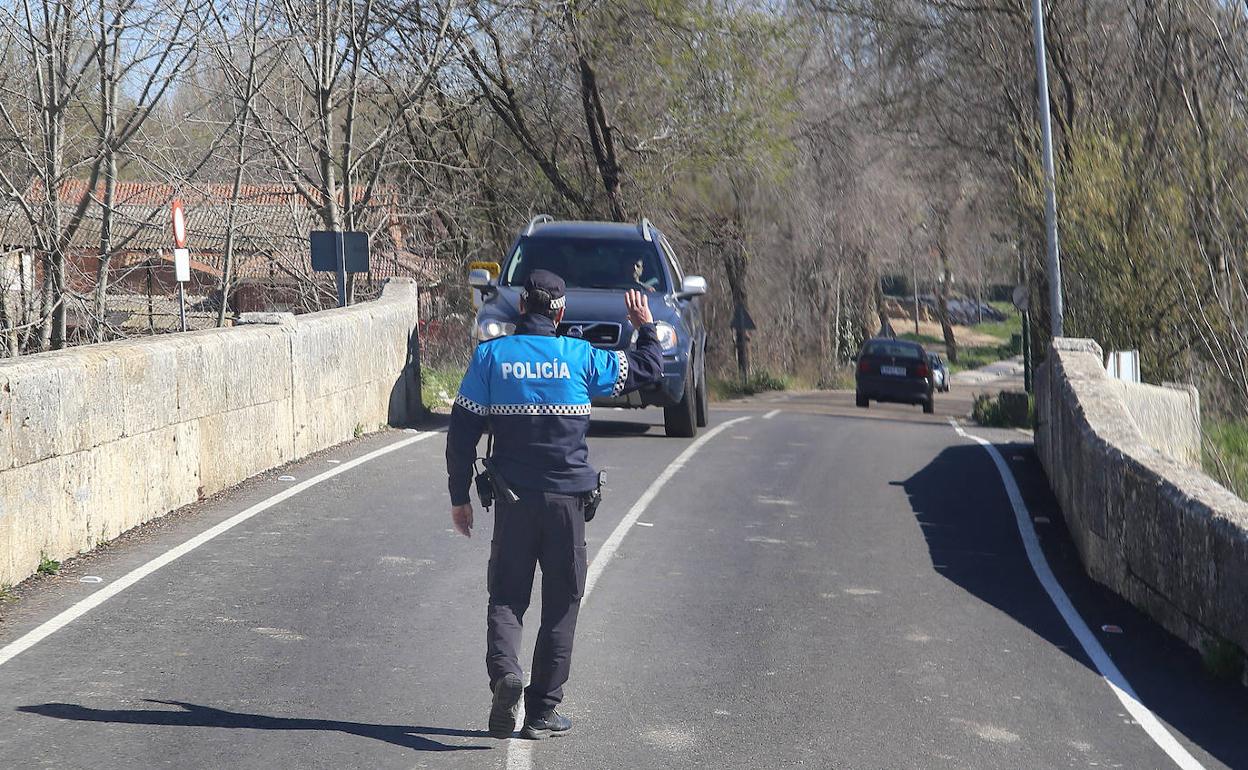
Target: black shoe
505,706
550,723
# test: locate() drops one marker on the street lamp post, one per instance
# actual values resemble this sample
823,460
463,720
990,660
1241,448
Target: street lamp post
1050,193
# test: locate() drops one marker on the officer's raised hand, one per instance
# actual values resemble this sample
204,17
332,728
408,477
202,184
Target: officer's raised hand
461,518
638,308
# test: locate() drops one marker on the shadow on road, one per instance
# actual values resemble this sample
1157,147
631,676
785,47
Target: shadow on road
597,428
192,715
972,538
618,429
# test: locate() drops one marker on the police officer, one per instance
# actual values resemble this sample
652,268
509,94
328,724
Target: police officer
533,391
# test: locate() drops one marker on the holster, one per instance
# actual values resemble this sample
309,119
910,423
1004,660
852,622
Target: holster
485,489
501,487
593,498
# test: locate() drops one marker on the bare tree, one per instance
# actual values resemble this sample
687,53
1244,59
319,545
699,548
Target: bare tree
145,47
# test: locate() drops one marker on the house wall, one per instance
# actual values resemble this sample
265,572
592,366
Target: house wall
97,439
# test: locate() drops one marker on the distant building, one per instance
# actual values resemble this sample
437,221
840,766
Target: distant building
272,266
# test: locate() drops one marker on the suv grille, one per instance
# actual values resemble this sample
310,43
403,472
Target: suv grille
601,334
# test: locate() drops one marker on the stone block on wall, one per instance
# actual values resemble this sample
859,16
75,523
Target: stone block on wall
258,366
34,390
149,385
234,445
31,504
202,362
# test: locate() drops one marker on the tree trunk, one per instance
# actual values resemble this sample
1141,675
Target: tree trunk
227,271
601,141
736,285
8,340
881,309
942,304
107,58
914,287
151,309
836,326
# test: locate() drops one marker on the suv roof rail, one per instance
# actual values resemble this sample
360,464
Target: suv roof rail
644,227
537,220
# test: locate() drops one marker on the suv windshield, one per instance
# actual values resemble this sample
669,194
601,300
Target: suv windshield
894,349
587,263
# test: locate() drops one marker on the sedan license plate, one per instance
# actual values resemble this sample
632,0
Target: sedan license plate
893,371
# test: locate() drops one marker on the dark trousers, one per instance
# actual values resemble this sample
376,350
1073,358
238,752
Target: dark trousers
548,529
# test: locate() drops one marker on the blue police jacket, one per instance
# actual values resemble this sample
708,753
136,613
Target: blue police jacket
532,389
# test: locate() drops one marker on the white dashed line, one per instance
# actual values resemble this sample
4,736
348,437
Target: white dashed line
520,751
1100,658
771,414
49,627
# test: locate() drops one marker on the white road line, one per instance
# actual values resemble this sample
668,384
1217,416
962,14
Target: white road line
520,751
1100,658
771,414
49,627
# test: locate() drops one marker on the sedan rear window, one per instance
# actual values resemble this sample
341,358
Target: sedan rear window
894,349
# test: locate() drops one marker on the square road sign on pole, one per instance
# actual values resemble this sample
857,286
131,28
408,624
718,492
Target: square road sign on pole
328,246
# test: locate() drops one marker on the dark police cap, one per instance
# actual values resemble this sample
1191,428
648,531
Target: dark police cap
543,290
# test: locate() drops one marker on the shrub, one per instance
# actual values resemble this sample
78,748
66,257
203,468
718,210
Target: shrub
439,384
1225,453
759,382
1222,659
48,566
1004,410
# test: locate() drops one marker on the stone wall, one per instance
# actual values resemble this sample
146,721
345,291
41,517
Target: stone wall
1146,521
97,439
1167,416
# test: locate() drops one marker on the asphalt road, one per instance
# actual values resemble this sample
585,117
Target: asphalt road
817,586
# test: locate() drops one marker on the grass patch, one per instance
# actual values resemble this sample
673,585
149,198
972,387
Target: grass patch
1225,453
6,593
1008,332
1004,410
48,566
1002,330
976,357
760,382
439,384
922,339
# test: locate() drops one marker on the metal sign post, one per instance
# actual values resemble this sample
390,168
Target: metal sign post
1022,301
1050,178
743,325
342,271
181,258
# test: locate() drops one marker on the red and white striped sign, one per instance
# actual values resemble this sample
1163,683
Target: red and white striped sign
179,225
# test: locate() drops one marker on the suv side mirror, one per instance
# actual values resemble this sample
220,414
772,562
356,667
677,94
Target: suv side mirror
479,279
693,286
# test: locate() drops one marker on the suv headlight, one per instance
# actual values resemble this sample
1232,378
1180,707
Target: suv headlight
488,330
667,335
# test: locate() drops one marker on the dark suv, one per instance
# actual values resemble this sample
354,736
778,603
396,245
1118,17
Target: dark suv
599,261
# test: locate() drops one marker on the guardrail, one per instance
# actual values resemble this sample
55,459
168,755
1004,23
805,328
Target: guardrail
98,439
1124,462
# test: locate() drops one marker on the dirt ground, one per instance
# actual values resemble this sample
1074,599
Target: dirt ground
966,335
